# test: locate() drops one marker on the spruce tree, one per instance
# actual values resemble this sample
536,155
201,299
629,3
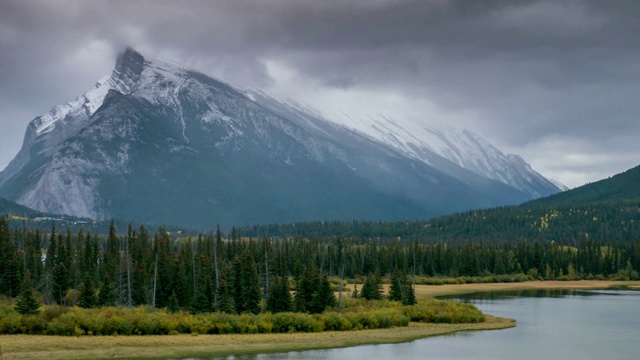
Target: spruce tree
26,303
250,285
371,289
396,288
10,261
107,296
87,297
173,305
236,285
326,296
306,290
279,299
204,299
224,291
410,295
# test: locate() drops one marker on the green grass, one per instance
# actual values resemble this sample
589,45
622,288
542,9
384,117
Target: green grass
182,346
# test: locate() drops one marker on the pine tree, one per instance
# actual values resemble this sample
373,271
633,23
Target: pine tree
306,289
410,295
396,288
9,262
173,305
325,295
354,294
224,292
250,285
204,299
107,296
372,288
236,285
26,303
87,298
279,299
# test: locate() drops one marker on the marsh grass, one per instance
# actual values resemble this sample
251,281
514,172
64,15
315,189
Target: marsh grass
182,346
427,291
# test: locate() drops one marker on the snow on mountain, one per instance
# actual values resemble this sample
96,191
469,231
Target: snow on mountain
152,127
462,147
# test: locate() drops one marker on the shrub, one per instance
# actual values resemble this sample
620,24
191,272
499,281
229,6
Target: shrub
333,321
11,324
444,311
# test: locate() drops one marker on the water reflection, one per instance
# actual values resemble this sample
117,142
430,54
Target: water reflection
551,324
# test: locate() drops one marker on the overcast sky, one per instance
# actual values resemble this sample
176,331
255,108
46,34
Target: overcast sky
557,82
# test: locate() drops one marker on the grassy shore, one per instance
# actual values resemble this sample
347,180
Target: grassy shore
423,291
181,346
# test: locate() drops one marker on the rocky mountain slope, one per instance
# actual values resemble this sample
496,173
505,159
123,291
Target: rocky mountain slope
156,142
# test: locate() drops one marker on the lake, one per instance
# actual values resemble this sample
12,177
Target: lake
556,324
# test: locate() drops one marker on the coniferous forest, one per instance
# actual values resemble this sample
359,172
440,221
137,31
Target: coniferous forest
240,274
230,274
138,283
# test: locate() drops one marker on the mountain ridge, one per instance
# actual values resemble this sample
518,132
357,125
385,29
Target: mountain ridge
617,188
154,133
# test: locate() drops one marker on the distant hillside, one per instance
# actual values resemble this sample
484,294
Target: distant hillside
9,207
604,222
605,211
34,219
624,187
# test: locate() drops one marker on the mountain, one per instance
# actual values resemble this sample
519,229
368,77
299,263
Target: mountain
154,142
623,187
430,142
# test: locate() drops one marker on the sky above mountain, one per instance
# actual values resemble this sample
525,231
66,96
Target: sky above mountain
554,81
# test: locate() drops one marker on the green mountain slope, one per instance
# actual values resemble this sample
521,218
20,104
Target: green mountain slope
9,207
604,211
624,187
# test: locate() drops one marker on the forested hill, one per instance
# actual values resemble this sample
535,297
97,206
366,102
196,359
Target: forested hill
605,222
9,207
606,211
619,188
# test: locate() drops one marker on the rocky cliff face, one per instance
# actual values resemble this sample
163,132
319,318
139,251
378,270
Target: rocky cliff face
155,142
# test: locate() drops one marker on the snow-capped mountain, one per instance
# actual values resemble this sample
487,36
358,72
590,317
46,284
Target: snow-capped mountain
464,148
156,142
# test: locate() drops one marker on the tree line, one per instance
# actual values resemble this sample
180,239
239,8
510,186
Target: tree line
603,222
235,274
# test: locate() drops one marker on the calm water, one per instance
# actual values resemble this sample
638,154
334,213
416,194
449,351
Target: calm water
550,325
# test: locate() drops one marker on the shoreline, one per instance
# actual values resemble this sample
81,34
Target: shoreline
424,291
185,346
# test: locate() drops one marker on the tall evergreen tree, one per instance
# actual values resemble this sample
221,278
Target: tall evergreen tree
325,297
372,288
203,301
279,299
87,297
173,305
396,288
236,284
250,285
225,292
107,296
26,302
306,289
9,262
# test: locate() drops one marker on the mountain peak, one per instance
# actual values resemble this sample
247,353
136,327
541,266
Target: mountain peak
129,66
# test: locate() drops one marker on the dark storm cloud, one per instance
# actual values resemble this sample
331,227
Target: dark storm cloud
533,72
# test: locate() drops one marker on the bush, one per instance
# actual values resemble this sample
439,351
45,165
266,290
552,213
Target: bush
444,311
296,322
333,321
11,324
357,314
